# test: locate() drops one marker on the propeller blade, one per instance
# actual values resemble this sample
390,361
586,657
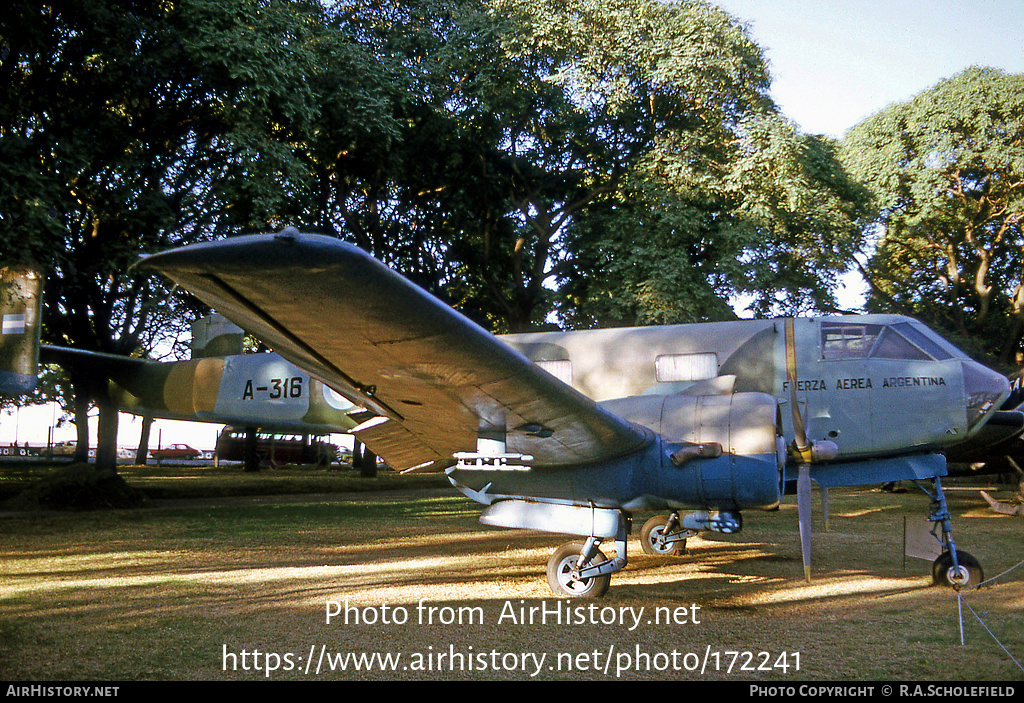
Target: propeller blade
803,507
805,453
824,505
798,421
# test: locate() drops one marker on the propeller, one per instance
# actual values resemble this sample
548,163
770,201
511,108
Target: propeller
805,452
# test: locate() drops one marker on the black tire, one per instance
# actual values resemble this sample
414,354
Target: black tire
971,573
652,530
560,579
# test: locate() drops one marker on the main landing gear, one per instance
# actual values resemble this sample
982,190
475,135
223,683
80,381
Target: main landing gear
567,566
954,567
581,570
663,536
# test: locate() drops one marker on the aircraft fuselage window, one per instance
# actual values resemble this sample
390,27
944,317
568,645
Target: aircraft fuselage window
686,367
560,369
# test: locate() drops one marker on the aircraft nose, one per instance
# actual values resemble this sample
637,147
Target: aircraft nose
985,390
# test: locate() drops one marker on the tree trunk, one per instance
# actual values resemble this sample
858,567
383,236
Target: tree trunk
357,454
369,464
81,427
142,453
106,438
250,458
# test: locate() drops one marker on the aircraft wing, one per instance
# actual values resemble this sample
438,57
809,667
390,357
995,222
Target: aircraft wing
434,379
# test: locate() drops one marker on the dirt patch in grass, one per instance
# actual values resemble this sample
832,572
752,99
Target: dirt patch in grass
422,591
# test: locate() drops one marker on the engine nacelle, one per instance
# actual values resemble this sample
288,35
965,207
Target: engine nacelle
720,451
745,424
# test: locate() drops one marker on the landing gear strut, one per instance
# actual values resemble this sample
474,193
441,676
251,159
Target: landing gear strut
565,569
581,570
663,536
954,567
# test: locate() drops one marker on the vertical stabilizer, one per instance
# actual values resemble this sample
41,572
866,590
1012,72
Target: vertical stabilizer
215,335
21,297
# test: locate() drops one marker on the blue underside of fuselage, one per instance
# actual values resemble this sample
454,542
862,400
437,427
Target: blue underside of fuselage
12,383
649,481
913,467
642,481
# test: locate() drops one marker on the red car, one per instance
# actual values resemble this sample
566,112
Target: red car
175,451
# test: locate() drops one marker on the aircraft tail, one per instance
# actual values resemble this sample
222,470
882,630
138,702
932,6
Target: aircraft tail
215,335
21,300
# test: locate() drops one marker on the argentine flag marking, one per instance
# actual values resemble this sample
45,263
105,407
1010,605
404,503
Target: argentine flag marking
13,324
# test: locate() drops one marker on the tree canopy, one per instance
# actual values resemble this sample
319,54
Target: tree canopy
569,162
131,126
946,170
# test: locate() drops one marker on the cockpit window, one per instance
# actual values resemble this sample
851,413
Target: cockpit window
923,342
891,345
847,341
842,340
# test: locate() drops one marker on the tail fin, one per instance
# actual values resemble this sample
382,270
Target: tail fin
21,300
215,335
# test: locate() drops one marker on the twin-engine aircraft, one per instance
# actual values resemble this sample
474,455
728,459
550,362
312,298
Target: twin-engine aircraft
574,432
218,384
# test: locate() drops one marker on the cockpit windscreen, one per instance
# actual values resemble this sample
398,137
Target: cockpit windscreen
902,340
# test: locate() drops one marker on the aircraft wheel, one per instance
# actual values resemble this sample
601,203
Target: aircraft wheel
561,579
652,539
970,573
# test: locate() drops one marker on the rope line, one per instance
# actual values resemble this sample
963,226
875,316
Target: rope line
971,588
960,600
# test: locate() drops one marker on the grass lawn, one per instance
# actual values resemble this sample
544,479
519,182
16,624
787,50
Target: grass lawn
193,591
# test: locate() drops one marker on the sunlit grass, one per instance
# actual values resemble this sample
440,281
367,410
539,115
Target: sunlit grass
157,593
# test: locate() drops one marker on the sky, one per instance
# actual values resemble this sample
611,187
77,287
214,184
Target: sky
835,64
832,64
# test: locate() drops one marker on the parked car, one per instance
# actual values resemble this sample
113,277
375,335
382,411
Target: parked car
175,451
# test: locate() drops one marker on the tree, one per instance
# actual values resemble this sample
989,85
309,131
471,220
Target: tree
775,227
90,125
546,145
423,194
535,146
127,126
946,170
649,95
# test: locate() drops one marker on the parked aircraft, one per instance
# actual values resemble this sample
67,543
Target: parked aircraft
574,432
218,384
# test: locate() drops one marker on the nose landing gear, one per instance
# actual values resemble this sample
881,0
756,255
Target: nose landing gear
954,568
967,571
